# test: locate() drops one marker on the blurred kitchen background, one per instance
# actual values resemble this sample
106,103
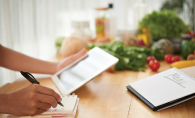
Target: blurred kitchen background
32,26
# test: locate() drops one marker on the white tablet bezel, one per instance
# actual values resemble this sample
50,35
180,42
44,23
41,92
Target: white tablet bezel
112,60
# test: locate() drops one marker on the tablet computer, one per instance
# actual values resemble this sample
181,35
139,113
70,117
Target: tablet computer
82,70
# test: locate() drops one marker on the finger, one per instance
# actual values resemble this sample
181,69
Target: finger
43,105
74,57
82,52
77,55
48,91
47,99
70,59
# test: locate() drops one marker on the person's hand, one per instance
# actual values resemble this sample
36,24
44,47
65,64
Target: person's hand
32,100
70,59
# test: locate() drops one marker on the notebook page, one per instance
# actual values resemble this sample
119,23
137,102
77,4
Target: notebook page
165,87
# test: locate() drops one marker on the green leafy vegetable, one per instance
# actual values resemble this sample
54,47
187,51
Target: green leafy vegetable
132,57
164,24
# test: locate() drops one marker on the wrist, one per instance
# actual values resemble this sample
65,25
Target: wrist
47,68
4,103
55,68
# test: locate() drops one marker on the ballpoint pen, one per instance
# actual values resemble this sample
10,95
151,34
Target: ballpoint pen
32,79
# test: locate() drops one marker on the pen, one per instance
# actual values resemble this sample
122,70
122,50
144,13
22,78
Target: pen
32,79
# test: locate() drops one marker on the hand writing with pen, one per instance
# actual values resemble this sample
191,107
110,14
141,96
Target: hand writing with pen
33,99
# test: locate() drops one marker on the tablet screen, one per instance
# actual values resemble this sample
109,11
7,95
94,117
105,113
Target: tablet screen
84,69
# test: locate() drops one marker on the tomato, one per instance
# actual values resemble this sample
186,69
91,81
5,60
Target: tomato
150,58
174,59
168,58
154,65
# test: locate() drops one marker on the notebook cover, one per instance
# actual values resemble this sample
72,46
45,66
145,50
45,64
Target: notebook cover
166,105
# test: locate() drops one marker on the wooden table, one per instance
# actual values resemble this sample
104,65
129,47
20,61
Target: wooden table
106,96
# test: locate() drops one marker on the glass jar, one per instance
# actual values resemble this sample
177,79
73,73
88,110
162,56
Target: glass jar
81,30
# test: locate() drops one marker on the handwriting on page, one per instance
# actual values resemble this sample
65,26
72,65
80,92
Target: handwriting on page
176,77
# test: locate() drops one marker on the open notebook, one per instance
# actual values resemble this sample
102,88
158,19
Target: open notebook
70,103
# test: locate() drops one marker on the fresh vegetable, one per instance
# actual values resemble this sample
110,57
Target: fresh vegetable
154,65
150,58
191,56
190,34
133,41
183,64
187,48
164,45
157,53
72,45
144,34
164,24
174,59
168,58
130,57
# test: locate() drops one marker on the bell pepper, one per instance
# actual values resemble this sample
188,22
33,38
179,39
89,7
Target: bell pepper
187,48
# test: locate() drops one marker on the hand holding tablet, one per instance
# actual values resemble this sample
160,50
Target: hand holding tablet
82,70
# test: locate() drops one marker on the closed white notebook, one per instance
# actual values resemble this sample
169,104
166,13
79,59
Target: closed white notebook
165,87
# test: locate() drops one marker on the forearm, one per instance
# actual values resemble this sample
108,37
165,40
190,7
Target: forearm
17,61
4,104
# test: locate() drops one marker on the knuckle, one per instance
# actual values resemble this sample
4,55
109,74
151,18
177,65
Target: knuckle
32,105
32,95
33,87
